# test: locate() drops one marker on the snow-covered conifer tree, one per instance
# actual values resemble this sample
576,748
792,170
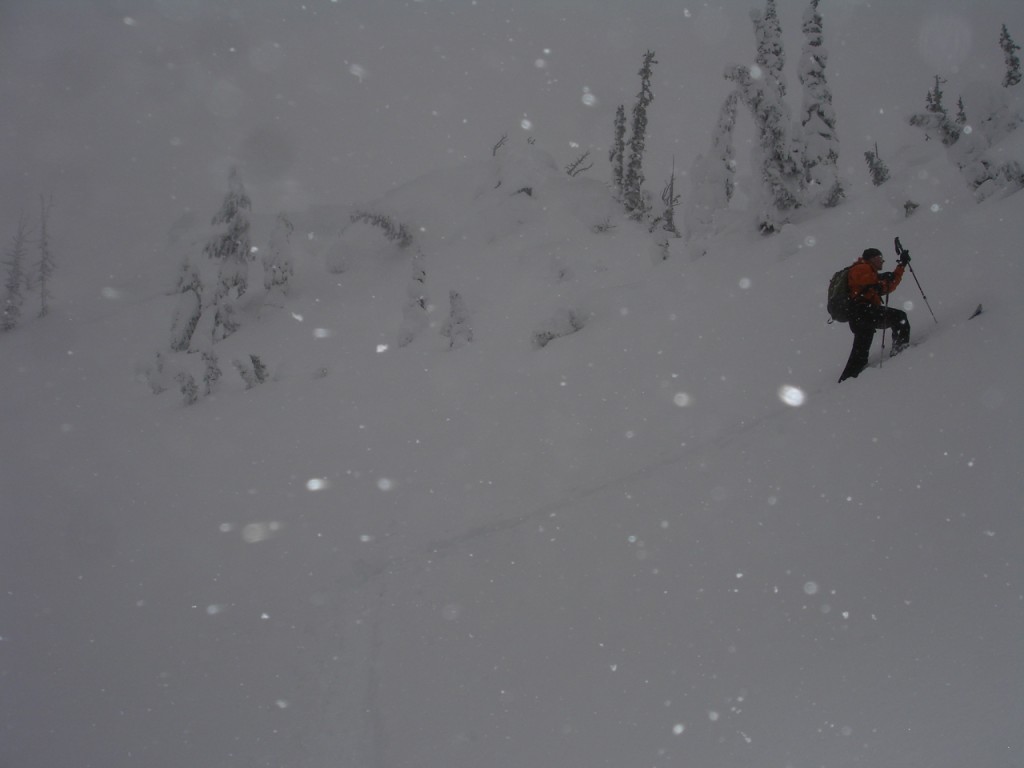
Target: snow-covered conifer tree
933,99
633,195
252,371
225,317
762,89
189,388
259,370
935,120
231,248
617,154
277,262
563,323
876,167
820,144
771,55
414,314
770,62
712,176
456,328
961,114
780,175
670,200
1010,48
211,372
15,280
723,152
723,148
995,112
190,305
44,271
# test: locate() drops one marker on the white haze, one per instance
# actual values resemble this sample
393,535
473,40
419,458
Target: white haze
668,539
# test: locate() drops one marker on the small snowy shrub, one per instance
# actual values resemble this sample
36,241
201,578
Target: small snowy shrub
563,323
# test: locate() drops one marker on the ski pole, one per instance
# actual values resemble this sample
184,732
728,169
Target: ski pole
899,252
885,324
914,275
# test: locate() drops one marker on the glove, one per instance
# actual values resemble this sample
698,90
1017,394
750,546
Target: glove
904,258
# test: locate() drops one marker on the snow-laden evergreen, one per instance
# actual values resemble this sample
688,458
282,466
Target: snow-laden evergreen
936,121
820,150
46,265
1010,48
15,276
777,152
634,196
189,310
877,168
414,313
230,248
666,221
712,178
771,54
617,152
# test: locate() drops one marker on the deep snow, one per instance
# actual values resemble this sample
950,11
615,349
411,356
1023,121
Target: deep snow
669,538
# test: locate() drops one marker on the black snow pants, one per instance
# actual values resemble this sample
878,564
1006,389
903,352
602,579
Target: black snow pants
865,319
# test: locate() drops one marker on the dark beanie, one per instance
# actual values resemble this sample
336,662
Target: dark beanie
870,253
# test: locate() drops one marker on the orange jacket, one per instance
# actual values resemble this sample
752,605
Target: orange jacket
868,286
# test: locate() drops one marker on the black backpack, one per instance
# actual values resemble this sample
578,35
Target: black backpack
838,304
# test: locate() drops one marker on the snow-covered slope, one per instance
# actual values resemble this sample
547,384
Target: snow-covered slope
666,538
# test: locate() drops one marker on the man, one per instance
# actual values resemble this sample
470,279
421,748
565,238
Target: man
868,284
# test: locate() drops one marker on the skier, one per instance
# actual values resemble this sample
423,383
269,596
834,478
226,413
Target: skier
867,313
